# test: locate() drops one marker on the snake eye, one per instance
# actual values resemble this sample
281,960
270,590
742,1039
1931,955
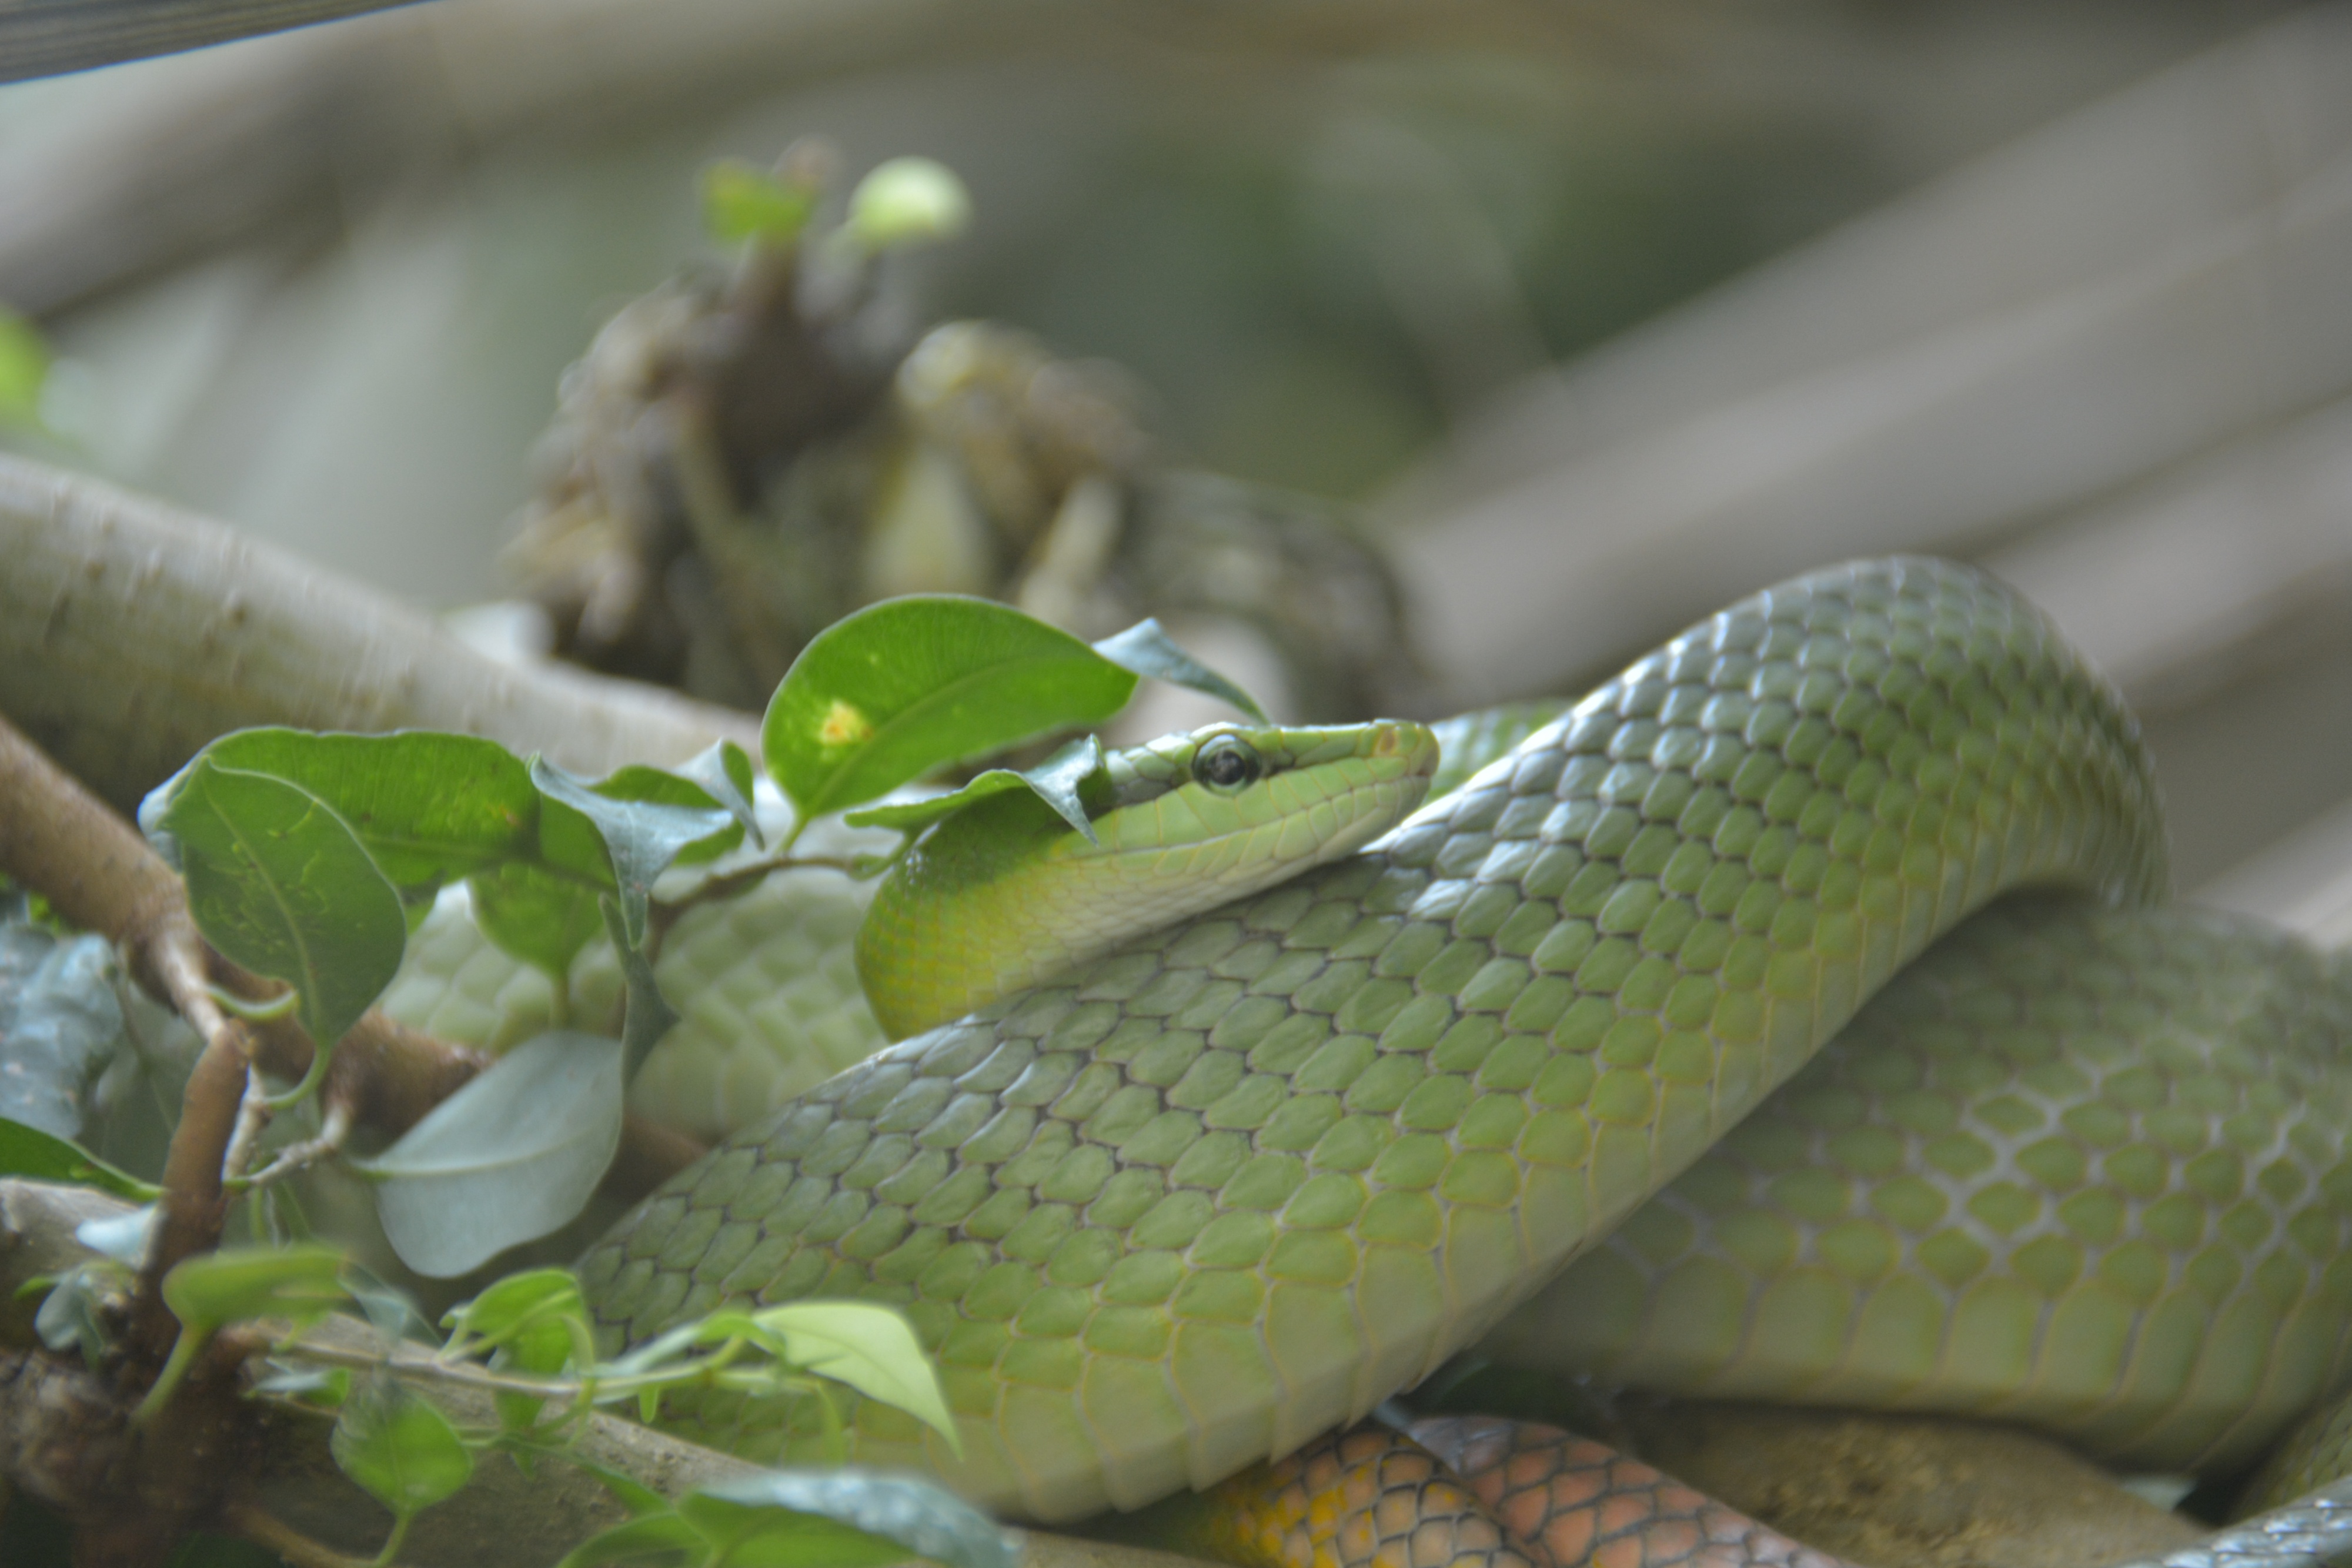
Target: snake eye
1227,762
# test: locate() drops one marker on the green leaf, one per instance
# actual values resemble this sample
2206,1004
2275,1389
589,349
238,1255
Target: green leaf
1054,781
912,685
908,201
399,1447
663,1534
871,1348
29,1151
646,1013
24,369
239,1282
536,915
1148,650
741,200
647,819
431,807
724,770
509,1158
844,1517
278,883
539,1317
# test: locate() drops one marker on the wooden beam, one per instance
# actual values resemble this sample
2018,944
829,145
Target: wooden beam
48,37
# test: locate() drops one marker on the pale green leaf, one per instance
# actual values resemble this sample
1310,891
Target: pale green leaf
512,1155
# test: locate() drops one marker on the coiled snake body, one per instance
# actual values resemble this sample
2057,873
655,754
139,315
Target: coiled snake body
1233,1183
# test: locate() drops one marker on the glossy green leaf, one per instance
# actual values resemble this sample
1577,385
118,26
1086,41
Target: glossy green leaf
533,914
431,807
509,1158
845,1517
741,200
1056,781
211,1288
538,1315
278,883
29,1151
871,1348
24,369
399,1447
646,819
1148,650
724,770
912,685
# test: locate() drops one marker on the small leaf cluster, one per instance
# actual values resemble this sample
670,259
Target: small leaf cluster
528,1340
309,858
902,203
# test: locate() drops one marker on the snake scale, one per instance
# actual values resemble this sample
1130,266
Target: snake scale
1228,1187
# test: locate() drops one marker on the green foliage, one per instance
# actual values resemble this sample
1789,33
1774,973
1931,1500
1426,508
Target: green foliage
208,1292
279,883
401,1449
1057,781
647,821
513,1155
1148,650
304,855
782,1518
29,1151
867,1346
741,200
213,1289
910,686
537,915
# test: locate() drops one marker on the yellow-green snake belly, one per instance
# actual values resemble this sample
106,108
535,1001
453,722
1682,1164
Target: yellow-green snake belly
1238,1181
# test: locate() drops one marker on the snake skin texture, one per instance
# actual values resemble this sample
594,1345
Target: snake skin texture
2314,1532
1475,1493
1232,1185
2082,1170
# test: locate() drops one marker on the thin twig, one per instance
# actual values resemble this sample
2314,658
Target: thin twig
263,1527
735,883
334,1130
252,1120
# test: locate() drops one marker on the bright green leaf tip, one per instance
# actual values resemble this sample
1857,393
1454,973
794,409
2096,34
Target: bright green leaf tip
908,201
743,202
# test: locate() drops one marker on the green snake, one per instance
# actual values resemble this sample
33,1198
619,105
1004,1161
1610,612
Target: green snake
1231,1184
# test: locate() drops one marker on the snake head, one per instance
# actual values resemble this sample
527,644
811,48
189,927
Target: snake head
1003,896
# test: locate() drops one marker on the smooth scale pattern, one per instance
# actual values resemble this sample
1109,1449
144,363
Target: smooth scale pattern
1230,1187
2086,1170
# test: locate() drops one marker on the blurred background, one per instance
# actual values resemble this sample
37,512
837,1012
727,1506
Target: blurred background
1585,317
